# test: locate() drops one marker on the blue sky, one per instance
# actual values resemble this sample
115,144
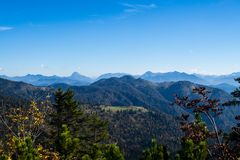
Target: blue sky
98,36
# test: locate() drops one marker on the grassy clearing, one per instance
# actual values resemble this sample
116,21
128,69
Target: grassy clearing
123,108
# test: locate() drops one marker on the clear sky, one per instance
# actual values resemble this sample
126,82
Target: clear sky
98,36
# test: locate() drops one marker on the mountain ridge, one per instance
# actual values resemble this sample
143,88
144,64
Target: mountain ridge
124,91
225,82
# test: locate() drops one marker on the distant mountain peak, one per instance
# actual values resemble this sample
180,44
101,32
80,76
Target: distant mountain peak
75,74
172,77
178,73
79,77
148,72
110,75
30,75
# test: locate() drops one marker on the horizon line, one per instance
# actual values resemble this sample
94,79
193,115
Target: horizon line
131,74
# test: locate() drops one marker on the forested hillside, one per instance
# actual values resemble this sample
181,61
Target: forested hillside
134,130
128,91
124,112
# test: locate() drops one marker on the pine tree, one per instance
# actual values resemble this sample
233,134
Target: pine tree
112,152
155,152
65,124
192,151
67,111
69,145
70,123
104,152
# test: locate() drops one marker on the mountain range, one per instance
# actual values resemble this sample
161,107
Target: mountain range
132,130
129,91
224,82
39,80
123,91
